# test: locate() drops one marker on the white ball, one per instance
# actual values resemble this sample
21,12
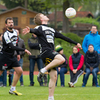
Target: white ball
70,12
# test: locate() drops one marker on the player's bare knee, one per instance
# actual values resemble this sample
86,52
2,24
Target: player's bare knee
62,60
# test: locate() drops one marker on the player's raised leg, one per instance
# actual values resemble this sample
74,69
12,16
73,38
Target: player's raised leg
58,60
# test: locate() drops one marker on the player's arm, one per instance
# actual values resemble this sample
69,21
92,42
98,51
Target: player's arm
59,35
31,30
18,49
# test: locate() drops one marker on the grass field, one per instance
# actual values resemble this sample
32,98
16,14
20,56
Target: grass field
61,93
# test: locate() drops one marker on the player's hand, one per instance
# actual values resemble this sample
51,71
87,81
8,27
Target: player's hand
79,45
26,30
27,52
18,57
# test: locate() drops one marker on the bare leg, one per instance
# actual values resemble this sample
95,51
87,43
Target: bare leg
53,78
18,71
58,60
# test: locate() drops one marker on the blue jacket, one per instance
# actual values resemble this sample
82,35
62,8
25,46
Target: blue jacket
93,39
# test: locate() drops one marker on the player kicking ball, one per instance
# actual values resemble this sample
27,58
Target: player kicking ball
51,58
7,58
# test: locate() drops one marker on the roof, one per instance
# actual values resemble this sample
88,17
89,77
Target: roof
3,7
78,14
84,14
19,7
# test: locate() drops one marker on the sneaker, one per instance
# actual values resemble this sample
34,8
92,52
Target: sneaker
14,92
31,85
21,84
71,84
83,85
97,86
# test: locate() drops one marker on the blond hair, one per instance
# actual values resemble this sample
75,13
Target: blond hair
37,19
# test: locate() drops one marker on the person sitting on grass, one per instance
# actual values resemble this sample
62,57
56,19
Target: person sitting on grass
76,61
91,60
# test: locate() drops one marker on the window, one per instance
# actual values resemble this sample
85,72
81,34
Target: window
15,19
32,21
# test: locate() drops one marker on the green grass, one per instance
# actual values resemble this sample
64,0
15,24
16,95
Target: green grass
61,93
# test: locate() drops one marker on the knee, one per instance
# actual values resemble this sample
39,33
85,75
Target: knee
62,60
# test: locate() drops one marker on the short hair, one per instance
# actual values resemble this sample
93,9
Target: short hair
37,19
90,45
8,18
94,25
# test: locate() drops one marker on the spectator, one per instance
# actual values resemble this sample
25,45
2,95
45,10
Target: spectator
92,63
20,60
3,77
76,61
61,69
35,57
92,38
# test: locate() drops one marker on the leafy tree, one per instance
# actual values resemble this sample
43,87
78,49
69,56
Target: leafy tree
35,5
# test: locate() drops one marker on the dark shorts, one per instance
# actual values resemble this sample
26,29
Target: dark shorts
47,56
8,62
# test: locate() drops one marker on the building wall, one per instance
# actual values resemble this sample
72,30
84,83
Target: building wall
23,19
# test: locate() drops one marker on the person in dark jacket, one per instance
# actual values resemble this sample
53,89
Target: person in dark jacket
76,61
35,57
92,63
61,69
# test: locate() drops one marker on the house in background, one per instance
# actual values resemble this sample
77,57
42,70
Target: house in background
2,8
22,17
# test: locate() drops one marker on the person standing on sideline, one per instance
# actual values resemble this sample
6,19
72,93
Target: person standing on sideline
76,61
21,54
91,60
7,58
51,58
3,77
35,57
92,38
61,69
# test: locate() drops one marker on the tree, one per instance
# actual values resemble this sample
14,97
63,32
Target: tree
35,5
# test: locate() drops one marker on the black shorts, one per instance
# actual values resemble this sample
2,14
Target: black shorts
8,62
47,56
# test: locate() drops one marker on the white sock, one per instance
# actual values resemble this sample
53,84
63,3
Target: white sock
51,98
43,70
12,88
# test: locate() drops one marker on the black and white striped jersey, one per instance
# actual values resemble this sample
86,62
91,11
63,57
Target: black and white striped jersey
46,36
10,41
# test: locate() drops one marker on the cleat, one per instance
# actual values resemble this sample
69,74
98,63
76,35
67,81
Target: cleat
15,92
40,77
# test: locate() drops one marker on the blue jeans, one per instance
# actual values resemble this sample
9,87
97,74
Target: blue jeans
94,73
3,78
62,71
12,71
31,68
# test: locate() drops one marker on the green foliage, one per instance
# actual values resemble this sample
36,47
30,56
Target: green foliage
85,20
67,47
